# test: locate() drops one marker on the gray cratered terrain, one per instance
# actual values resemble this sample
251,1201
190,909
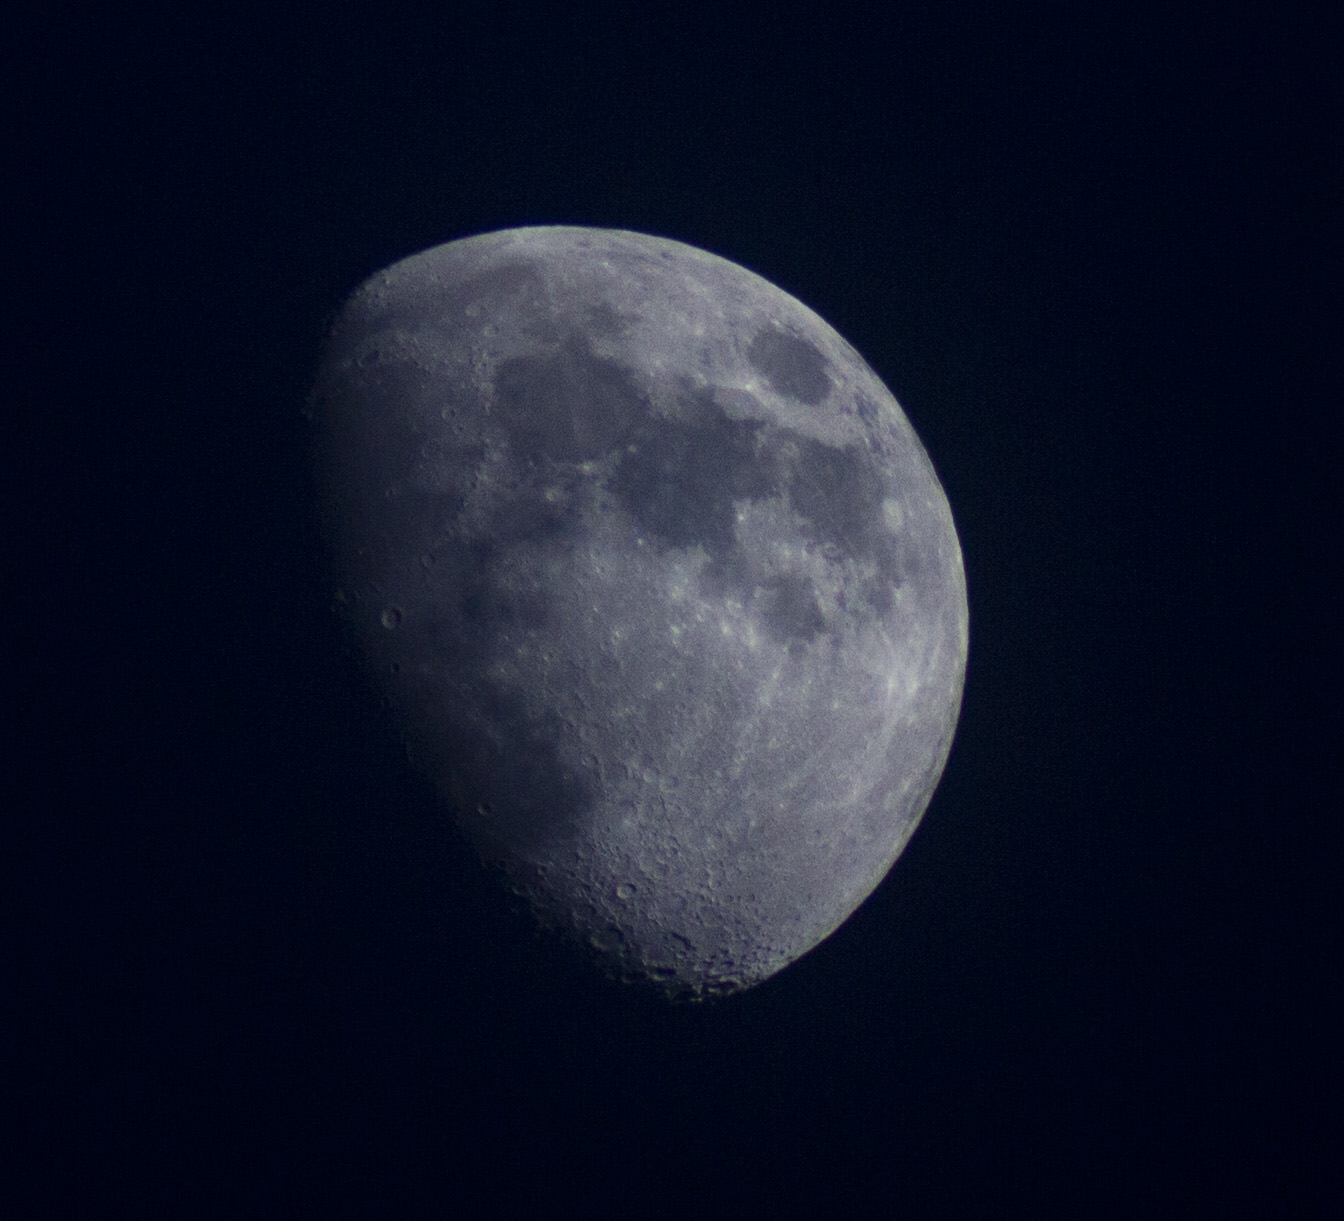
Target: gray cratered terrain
659,581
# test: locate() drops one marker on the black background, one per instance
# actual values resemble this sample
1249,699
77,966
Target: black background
1093,255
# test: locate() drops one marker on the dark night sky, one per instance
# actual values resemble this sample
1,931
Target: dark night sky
1092,254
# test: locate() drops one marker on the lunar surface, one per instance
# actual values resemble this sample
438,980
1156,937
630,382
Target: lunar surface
659,581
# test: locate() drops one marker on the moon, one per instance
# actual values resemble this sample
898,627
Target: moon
658,580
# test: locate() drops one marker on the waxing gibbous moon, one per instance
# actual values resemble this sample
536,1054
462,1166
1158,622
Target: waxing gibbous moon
658,580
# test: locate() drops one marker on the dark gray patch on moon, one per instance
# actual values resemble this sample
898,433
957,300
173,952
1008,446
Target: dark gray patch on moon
790,608
792,365
429,303
680,480
564,407
659,580
521,791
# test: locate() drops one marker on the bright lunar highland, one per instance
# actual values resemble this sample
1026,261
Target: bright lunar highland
658,581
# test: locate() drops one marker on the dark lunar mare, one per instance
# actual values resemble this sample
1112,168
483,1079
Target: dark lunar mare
658,579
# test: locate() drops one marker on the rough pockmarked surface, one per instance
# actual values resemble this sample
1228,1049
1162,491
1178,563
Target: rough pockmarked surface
659,580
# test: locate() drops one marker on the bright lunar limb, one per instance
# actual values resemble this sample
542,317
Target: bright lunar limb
659,581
